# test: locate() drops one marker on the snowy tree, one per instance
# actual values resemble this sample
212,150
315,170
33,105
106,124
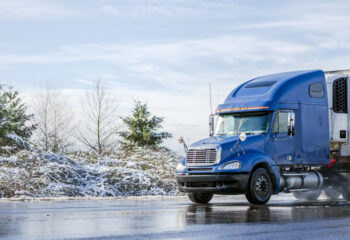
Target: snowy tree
141,128
100,121
53,117
15,129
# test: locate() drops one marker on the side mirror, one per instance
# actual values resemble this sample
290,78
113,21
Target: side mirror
291,122
211,125
291,132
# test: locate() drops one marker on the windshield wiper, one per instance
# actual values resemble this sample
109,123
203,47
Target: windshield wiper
250,133
247,133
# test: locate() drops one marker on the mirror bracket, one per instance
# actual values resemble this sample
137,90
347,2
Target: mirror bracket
291,123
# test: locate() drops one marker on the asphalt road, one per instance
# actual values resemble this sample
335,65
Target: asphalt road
174,218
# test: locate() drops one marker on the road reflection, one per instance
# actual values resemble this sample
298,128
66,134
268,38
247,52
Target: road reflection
244,213
148,219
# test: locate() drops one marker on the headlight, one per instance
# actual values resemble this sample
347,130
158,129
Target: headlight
180,167
232,165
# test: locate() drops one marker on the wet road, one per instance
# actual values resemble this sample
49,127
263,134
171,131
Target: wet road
175,218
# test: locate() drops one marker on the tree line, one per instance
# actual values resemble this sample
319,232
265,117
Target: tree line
54,127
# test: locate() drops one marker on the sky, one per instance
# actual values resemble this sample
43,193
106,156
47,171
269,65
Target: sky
166,52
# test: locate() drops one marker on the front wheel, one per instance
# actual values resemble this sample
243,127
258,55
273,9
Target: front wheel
200,197
260,187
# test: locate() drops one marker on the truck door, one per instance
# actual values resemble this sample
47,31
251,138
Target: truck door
281,144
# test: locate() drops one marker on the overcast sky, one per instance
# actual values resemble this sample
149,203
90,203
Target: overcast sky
166,52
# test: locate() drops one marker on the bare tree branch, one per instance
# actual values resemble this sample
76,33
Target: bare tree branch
53,117
100,119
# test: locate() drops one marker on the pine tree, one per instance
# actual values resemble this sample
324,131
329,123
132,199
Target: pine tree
142,128
15,130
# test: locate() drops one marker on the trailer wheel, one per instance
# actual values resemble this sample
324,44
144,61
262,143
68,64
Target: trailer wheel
200,197
332,193
260,187
310,195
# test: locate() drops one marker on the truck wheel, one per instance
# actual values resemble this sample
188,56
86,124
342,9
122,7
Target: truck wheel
310,195
260,187
200,197
332,193
346,194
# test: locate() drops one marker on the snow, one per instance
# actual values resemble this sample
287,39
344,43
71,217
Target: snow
19,142
142,172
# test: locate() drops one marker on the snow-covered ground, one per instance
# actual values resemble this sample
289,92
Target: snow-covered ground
144,172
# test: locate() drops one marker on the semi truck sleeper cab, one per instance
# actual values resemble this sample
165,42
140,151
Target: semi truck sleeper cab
286,132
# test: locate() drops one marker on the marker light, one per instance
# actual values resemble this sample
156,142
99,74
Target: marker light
243,108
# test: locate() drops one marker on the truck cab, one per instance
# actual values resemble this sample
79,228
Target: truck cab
272,134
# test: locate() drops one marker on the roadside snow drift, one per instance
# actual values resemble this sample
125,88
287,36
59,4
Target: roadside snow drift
144,172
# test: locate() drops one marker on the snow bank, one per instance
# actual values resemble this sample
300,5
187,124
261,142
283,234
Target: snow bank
144,172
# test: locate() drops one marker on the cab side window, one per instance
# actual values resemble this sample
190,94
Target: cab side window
281,123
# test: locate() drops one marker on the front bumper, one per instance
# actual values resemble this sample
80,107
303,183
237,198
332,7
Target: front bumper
216,183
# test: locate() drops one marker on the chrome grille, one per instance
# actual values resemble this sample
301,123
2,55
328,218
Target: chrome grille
201,157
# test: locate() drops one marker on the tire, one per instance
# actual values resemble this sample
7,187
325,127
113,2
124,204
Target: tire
200,197
332,193
259,187
310,195
346,194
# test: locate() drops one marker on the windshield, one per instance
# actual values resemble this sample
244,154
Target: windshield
249,123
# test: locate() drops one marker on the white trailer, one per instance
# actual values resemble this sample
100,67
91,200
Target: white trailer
338,88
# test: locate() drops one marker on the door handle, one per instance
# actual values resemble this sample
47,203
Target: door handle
280,140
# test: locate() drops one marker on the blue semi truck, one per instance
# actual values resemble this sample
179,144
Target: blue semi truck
285,132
